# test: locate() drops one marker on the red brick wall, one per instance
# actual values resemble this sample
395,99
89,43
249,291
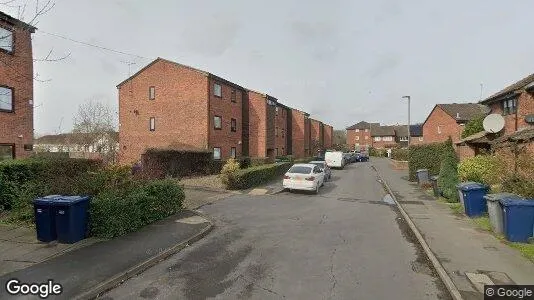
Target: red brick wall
360,137
16,71
281,124
180,109
416,140
525,107
464,151
315,135
224,107
524,160
448,126
298,133
328,135
384,144
257,124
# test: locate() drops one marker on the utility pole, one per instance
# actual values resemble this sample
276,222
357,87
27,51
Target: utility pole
481,89
408,126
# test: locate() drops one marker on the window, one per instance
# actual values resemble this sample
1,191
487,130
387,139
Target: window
6,99
7,151
276,131
387,138
509,106
366,130
403,139
28,147
217,90
357,130
277,152
217,153
233,99
366,137
152,124
378,139
233,152
152,93
357,138
439,129
233,125
420,138
283,135
217,122
6,39
276,109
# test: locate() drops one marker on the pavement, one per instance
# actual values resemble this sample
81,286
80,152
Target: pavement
470,256
86,272
347,242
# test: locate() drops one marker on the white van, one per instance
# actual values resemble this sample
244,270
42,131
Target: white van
334,159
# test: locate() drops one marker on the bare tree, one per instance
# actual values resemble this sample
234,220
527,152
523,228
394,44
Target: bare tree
94,127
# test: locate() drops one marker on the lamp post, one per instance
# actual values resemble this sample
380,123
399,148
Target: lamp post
408,126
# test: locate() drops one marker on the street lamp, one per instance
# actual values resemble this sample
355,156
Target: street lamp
408,126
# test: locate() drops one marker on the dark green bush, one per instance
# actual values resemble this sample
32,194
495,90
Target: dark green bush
247,178
425,157
519,185
400,154
448,175
473,126
485,169
115,212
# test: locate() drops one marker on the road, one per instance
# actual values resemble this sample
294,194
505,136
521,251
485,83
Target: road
345,243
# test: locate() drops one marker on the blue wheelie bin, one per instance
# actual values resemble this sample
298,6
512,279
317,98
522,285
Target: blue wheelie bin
44,212
71,218
518,215
474,203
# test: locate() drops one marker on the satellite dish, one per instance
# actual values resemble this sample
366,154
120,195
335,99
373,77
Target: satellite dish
493,123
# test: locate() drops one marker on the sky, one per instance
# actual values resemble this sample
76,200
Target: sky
341,61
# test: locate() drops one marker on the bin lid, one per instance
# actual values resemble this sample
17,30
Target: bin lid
46,200
461,184
422,170
517,202
435,177
70,200
499,196
474,186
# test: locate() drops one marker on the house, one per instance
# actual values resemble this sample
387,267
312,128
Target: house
515,103
16,88
382,136
77,142
448,120
416,134
167,102
359,134
401,135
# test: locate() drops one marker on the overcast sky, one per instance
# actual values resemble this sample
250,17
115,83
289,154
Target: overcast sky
341,61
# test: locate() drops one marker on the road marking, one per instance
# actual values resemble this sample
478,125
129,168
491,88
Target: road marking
479,280
258,192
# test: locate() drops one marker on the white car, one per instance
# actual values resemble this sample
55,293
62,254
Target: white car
335,159
306,177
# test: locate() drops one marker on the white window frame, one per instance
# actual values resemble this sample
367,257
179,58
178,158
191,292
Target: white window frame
6,40
233,152
6,98
366,130
151,93
439,129
12,147
357,130
215,118
420,138
377,139
403,139
217,153
357,138
152,124
366,137
217,90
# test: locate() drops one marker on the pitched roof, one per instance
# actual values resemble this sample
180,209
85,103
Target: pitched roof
9,19
377,130
525,134
510,90
360,125
477,138
416,130
401,130
463,112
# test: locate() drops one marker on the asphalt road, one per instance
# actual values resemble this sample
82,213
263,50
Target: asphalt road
345,243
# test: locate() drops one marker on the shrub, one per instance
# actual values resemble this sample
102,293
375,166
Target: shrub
162,163
519,185
228,172
473,126
425,157
115,212
400,154
448,175
247,178
486,169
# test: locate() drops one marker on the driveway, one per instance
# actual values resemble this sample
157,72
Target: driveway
345,243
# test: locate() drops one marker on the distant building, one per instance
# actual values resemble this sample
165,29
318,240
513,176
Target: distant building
77,142
416,134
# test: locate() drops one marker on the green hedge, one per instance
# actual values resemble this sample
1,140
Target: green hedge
425,157
115,212
485,169
253,176
400,154
448,174
519,185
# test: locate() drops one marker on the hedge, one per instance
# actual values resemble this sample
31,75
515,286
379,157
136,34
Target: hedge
400,154
448,174
519,185
162,163
485,169
253,176
425,157
115,212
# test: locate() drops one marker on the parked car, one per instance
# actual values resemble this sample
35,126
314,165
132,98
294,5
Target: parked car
325,167
306,177
335,159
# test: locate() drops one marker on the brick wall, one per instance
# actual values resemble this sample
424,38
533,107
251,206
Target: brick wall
223,106
315,136
180,109
16,72
525,106
360,137
464,151
328,136
448,127
281,130
298,133
523,157
257,125
384,144
417,140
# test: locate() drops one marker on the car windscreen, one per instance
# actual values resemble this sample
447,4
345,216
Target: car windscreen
319,164
300,170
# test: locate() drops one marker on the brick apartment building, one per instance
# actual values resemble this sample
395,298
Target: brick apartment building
328,136
167,104
359,134
515,103
383,136
449,120
262,129
16,88
282,130
317,140
300,128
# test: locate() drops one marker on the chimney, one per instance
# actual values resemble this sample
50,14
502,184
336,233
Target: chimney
457,115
